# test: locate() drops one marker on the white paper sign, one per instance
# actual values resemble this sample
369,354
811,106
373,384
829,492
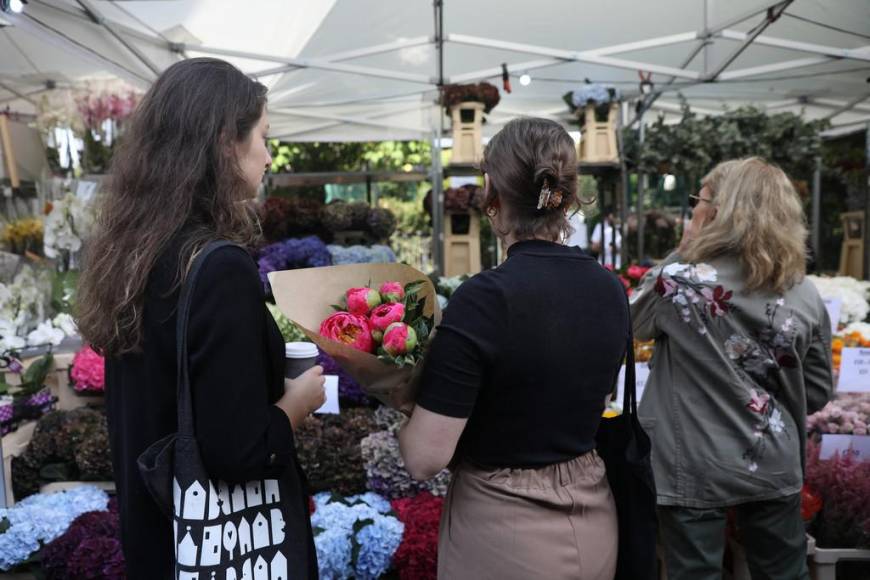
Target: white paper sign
331,404
834,305
858,446
641,374
855,371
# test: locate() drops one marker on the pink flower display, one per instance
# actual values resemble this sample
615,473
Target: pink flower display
88,371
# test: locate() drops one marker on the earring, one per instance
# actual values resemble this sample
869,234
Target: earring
491,212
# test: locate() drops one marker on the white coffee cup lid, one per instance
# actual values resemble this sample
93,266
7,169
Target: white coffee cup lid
300,350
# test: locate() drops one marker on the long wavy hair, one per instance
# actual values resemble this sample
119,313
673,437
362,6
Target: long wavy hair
759,219
174,172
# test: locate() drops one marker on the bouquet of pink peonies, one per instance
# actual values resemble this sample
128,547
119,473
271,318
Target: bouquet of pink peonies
376,332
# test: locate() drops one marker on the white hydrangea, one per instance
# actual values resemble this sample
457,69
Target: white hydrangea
23,306
852,293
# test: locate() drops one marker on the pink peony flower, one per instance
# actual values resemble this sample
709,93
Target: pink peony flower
349,329
399,339
832,428
360,301
88,371
386,314
392,292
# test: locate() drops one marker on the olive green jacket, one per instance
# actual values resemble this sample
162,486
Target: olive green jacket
732,380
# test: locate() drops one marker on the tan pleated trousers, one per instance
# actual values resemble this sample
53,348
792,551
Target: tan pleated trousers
556,522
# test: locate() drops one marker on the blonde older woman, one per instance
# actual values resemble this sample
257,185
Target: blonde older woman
743,353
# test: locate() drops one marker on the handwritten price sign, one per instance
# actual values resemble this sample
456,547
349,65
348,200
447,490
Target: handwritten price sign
855,371
857,446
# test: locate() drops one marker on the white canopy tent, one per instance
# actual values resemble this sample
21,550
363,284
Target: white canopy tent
347,70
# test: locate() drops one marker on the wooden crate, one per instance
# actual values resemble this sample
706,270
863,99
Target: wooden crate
461,243
467,133
598,139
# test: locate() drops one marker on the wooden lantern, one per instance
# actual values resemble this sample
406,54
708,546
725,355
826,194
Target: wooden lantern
461,243
467,132
598,139
852,251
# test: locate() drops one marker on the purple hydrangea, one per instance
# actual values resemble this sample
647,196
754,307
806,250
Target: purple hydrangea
309,252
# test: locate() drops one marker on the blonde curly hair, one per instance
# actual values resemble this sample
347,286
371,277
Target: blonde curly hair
759,219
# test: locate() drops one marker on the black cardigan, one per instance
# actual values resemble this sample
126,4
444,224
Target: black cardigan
236,357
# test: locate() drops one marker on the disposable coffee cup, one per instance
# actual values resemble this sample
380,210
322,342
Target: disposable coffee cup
299,357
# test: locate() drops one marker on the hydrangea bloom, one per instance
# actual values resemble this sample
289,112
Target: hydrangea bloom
362,522
88,371
41,518
308,252
853,293
376,254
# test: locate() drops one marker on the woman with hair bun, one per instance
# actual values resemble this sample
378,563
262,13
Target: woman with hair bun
513,388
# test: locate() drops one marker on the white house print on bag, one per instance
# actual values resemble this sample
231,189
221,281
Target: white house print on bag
271,492
254,492
216,526
194,502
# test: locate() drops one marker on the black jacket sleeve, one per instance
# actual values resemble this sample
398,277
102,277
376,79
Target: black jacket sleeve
241,435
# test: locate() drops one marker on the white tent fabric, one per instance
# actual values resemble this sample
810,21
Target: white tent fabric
368,69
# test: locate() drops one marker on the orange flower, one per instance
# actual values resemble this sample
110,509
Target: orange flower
837,345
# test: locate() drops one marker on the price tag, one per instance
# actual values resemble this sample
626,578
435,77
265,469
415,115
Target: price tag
855,371
641,374
858,446
834,305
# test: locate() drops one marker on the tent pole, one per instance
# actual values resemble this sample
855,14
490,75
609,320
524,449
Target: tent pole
817,211
437,169
867,202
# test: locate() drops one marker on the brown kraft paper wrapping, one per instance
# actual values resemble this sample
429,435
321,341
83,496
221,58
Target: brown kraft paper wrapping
306,297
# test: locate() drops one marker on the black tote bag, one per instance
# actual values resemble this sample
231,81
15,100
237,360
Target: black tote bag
625,448
222,530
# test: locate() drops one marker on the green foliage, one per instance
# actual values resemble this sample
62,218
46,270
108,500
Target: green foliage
378,156
695,144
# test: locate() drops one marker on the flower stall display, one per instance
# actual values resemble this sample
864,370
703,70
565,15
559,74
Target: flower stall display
23,236
88,372
25,312
853,294
309,252
376,254
329,451
355,537
29,399
66,446
848,413
417,556
467,105
385,469
39,519
68,223
90,548
596,107
842,483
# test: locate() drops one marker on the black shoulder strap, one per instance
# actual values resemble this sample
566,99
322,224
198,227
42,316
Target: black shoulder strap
185,397
629,398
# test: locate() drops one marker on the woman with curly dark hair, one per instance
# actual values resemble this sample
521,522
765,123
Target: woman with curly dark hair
183,178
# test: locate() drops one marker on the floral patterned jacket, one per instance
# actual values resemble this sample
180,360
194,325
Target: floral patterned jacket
732,380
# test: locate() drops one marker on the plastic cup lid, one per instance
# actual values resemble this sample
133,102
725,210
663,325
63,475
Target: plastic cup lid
300,350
